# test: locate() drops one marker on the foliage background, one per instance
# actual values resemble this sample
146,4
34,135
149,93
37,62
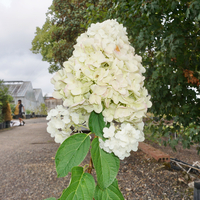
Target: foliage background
166,35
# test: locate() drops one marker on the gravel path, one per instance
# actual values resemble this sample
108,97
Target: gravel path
27,169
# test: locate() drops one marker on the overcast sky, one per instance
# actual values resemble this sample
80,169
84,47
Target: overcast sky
18,22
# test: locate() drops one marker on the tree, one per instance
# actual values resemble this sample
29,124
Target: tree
98,11
55,40
167,35
69,21
43,42
65,21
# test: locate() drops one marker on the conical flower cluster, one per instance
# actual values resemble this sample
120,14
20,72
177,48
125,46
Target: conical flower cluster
105,75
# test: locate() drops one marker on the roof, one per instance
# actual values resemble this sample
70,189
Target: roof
18,88
49,98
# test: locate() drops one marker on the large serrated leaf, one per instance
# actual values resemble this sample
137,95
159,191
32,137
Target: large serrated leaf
96,124
71,153
110,193
105,164
82,186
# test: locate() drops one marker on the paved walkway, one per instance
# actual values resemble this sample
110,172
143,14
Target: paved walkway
27,162
22,137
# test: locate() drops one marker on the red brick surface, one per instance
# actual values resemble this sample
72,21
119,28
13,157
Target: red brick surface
153,152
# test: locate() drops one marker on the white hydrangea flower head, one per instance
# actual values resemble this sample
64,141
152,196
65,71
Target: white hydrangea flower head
104,70
60,121
121,140
103,75
109,132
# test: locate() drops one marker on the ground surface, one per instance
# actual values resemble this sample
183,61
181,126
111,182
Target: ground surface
27,169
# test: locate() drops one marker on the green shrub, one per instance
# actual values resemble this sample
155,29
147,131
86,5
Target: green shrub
4,98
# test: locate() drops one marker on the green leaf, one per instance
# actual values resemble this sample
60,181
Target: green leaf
105,164
110,193
51,198
82,186
71,153
96,124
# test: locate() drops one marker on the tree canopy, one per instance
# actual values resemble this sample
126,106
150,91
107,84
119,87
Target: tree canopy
55,40
65,21
43,43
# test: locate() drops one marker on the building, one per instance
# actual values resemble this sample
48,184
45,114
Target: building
38,96
51,102
23,90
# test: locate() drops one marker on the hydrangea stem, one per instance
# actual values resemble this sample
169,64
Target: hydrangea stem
90,166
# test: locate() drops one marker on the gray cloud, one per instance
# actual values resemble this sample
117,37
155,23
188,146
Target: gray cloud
18,25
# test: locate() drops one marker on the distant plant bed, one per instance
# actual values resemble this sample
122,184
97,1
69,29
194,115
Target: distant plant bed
41,111
165,132
28,112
